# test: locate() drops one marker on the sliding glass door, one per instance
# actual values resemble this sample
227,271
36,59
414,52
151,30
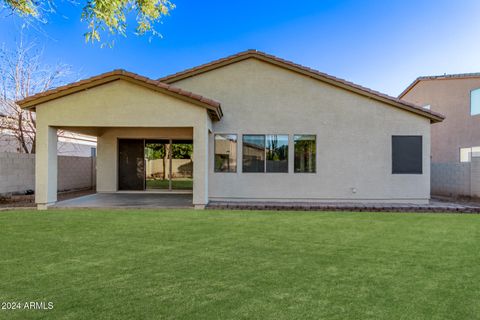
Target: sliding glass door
155,164
131,165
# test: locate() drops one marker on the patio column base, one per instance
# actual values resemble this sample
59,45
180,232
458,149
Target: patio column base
44,206
199,206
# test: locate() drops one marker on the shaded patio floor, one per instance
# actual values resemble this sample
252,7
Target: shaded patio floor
129,200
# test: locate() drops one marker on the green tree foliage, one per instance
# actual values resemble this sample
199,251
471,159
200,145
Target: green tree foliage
102,15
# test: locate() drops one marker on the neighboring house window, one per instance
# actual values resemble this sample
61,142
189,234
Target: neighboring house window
305,153
427,106
407,154
475,102
265,153
466,154
225,153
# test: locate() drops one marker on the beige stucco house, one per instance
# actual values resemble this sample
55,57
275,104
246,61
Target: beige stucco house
262,129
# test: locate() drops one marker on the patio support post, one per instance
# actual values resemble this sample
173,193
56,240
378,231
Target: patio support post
46,167
200,166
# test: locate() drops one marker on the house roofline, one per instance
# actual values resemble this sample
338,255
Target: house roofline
396,102
213,107
439,77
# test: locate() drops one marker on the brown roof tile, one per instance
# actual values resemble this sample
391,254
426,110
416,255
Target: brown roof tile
213,107
396,102
440,77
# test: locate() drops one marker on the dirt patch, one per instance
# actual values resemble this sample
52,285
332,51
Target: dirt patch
29,200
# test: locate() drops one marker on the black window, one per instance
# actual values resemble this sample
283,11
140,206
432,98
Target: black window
407,154
305,153
225,153
265,153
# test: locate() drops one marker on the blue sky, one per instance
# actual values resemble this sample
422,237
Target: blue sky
382,45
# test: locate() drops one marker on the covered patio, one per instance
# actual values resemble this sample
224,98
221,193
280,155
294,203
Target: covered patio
121,106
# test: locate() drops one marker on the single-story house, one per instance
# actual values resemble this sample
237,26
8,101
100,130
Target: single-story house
262,129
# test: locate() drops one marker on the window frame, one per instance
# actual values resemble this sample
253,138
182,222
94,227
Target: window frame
471,104
422,162
265,152
215,152
316,162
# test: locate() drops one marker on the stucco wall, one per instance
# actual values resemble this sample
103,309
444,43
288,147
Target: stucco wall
450,97
353,136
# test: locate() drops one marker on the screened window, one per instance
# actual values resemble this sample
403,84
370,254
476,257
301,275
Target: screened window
225,153
265,153
407,154
475,102
305,153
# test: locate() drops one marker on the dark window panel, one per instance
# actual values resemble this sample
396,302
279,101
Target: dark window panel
407,155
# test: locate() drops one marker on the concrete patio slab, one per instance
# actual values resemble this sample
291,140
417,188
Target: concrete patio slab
129,200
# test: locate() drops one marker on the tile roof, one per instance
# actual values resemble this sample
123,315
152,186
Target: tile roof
396,102
439,77
213,107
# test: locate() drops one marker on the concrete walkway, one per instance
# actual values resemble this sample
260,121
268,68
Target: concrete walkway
129,200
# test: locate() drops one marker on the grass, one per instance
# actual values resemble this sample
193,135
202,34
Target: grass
178,184
185,264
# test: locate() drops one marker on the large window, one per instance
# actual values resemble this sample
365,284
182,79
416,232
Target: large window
475,102
225,153
265,153
407,154
305,153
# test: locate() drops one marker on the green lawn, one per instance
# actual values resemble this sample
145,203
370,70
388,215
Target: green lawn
185,264
178,184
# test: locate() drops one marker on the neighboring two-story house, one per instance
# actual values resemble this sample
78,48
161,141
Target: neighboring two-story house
457,139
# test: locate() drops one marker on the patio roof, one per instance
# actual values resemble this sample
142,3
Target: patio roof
213,107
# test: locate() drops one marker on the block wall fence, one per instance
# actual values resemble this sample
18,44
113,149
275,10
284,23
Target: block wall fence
456,179
17,173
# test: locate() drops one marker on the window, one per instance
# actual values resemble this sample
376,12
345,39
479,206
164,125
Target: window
407,154
277,153
466,154
475,102
265,153
427,106
305,153
225,153
253,153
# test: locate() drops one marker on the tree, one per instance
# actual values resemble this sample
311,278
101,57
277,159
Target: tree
22,74
101,15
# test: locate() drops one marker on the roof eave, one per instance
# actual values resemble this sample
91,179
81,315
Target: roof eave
213,107
434,117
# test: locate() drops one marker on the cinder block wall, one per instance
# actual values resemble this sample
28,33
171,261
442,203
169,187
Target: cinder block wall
17,173
456,179
475,177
